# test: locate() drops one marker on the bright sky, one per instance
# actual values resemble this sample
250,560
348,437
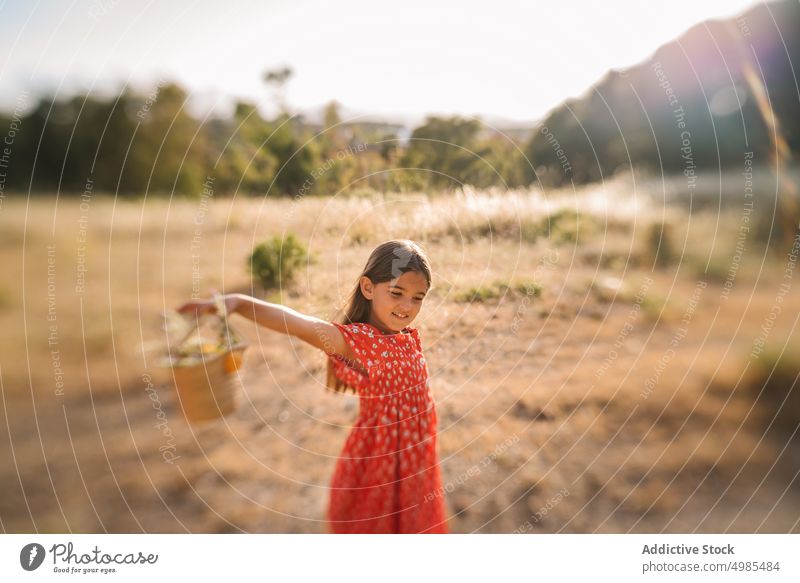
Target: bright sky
499,59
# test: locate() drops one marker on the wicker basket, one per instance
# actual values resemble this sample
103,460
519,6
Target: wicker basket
208,385
209,390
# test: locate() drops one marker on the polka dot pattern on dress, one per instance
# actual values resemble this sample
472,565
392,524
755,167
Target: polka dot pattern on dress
387,478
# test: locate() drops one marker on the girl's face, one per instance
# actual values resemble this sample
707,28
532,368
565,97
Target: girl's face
395,303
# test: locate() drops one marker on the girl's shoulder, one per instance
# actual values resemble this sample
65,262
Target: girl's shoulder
414,333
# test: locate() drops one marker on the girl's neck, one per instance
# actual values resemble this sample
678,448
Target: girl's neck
381,329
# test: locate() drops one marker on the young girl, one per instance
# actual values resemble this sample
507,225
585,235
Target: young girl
387,478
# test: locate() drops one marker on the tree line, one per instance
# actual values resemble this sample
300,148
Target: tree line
698,103
135,143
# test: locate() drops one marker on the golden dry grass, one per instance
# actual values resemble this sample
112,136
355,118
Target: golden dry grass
543,422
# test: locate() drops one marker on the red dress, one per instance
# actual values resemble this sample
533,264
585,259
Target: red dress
387,478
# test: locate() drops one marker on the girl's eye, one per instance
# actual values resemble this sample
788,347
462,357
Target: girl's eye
396,293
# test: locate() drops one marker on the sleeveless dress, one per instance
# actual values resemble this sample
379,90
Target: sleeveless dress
387,478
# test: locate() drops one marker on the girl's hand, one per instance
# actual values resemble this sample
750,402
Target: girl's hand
200,307
197,307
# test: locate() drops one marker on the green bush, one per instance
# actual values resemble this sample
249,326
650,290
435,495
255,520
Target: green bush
660,243
274,262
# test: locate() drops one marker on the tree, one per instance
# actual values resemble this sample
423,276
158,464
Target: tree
278,78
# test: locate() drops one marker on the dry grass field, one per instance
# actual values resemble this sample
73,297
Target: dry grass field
621,396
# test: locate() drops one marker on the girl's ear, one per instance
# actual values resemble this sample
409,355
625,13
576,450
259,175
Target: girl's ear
366,287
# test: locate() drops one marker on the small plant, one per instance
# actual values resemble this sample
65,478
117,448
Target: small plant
568,226
498,289
716,269
530,230
772,381
660,243
274,262
481,293
612,289
528,288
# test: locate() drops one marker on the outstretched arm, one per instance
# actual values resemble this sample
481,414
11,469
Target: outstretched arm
318,333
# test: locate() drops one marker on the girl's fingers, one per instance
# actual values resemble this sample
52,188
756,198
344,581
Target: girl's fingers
197,306
187,307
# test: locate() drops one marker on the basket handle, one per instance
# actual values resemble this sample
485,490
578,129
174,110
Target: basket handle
193,323
222,312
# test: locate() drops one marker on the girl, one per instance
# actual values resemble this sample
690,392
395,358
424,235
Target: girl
387,478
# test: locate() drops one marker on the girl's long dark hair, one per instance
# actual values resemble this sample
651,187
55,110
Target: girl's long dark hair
388,261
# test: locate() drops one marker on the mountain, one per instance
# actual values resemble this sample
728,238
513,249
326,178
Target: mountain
701,101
